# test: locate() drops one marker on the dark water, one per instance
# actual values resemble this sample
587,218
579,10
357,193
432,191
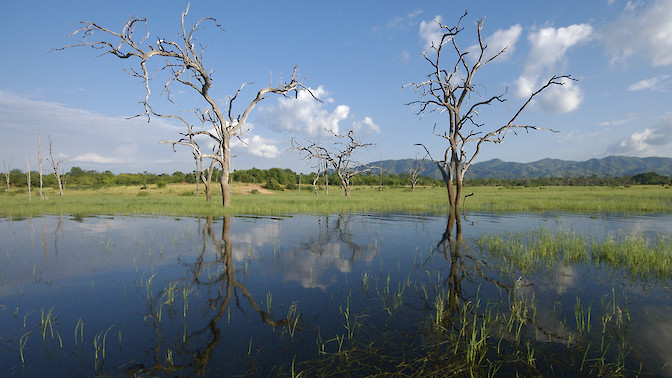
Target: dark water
264,295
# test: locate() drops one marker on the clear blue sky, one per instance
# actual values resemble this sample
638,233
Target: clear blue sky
356,55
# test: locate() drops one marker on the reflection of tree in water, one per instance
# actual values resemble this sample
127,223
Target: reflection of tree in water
506,332
332,246
191,352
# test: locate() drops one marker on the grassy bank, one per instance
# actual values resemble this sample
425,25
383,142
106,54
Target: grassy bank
179,199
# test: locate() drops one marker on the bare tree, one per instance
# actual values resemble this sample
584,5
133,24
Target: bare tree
450,88
183,60
339,157
6,166
28,179
56,167
416,171
39,163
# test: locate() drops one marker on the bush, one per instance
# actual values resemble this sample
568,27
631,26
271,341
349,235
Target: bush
273,184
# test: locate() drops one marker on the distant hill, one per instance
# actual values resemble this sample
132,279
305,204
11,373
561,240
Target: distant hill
613,166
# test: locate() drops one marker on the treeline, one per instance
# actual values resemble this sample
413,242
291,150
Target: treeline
278,179
647,178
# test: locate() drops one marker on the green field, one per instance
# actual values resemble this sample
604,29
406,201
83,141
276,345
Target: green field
178,199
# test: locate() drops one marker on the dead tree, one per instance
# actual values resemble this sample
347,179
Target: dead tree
416,171
339,157
55,165
28,179
6,166
39,163
183,60
450,88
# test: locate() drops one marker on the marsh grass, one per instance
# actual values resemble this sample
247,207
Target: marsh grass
634,254
171,200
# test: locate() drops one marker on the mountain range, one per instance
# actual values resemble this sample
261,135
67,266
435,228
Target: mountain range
611,166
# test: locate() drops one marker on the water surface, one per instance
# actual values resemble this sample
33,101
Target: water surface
265,295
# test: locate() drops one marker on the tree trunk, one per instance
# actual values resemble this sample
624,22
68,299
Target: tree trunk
39,163
226,165
28,178
6,173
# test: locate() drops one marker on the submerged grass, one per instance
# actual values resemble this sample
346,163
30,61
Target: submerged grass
540,249
171,201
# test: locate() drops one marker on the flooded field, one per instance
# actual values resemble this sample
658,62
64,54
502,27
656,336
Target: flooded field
356,294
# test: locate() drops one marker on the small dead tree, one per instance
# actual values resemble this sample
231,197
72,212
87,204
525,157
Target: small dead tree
55,165
183,61
416,171
28,179
339,157
6,166
450,88
39,163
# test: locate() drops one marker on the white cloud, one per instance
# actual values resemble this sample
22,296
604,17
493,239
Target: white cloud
84,138
500,40
430,32
304,115
657,83
647,34
366,124
94,158
628,117
648,142
403,22
561,99
547,55
256,145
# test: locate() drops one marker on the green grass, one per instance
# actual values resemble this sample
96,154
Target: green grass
541,249
174,200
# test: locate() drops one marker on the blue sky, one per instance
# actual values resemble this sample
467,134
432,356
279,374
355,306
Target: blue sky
356,56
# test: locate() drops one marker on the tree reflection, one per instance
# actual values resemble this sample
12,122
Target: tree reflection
217,278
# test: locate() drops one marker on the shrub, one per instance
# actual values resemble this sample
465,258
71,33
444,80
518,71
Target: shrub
273,184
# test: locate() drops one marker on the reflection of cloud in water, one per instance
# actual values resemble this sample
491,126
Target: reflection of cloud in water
656,335
314,270
246,242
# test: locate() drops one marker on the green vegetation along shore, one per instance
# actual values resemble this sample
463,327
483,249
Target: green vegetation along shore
180,199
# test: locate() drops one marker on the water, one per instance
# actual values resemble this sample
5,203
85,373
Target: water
265,295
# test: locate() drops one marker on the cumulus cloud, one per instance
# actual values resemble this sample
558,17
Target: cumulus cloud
305,116
561,99
646,33
657,83
256,145
648,142
366,125
547,54
500,40
430,32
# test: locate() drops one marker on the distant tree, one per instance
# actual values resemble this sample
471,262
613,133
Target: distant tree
7,176
183,61
339,157
28,179
39,163
415,171
450,89
56,167
650,178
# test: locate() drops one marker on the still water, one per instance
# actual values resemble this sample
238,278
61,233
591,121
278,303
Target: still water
355,294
